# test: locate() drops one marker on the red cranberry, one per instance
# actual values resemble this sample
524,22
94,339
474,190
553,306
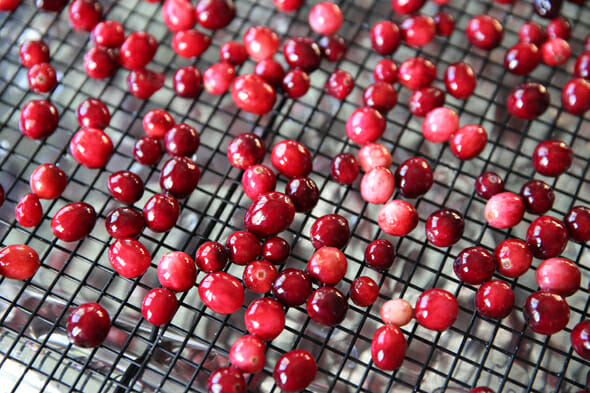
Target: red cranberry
265,318
531,32
33,52
42,78
190,43
245,150
295,83
177,271
528,100
385,71
304,193
547,8
396,312
365,125
91,147
259,276
148,150
468,142
582,67
488,184
187,82
405,7
575,96
330,230
377,185
125,186
226,380
215,14
436,309
38,119
129,258
380,254
522,58
426,99
276,250
546,312
178,15
48,181
494,299
20,262
9,5
344,168
287,5
325,18
445,24
108,34
546,237
474,265
29,211
440,125
137,50
248,354
504,210
302,52
418,30
218,78
84,14
580,338
417,72
73,222
340,84
179,176
291,158
271,71
143,83
295,370
292,287
577,222
92,112
333,47
559,28
552,158
388,347
261,42
327,266
414,177
364,291
513,258
258,179
385,37
327,306
157,122
233,52
211,257
484,32
88,325
181,140
253,94
381,96
444,227
555,51
397,218
269,214
243,247
558,275
460,80
161,212
124,222
537,196
374,155
100,63
159,306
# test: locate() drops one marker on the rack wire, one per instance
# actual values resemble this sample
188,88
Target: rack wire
35,354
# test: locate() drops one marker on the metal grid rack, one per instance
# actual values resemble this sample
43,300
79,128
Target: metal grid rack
504,355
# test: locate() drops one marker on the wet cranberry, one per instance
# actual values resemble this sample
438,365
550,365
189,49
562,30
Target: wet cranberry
253,94
577,222
440,125
38,119
397,218
178,15
552,158
385,37
546,312
304,193
325,18
330,230
386,70
159,306
92,112
414,177
211,257
364,291
179,176
559,28
575,96
582,67
245,150
558,275
88,325
436,309
504,210
513,258
388,347
444,227
418,30
522,58
296,83
292,287
445,24
547,8
374,155
29,211
129,258
546,237
187,82
91,147
33,52
157,122
137,50
381,96
340,84
48,181
396,312
73,222
271,71
100,63
327,306
181,140
108,34
287,5
19,262
42,78
243,247
580,338
269,214
468,142
190,43
333,47
276,250
148,150
302,52
380,254
344,168
125,186
494,299
484,32
417,72
258,179
327,266
537,196
233,52
248,354
161,212
143,83
294,371
265,318
426,99
177,271
377,185
555,51
124,222
488,184
365,125
84,14
259,275
291,158
226,380
215,14
474,265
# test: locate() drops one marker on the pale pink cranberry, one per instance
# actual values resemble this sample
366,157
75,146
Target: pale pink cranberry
327,266
233,52
494,299
386,70
397,218
177,271
296,83
157,122
248,354
159,306
575,96
418,30
271,71
253,94
218,78
364,291
484,32
129,257
531,32
388,347
513,258
468,141
396,312
436,309
558,275
381,96
221,292
325,18
504,210
559,28
340,84
373,155
385,37
377,185
261,42
365,125
417,72
445,24
555,51
440,124
190,43
258,179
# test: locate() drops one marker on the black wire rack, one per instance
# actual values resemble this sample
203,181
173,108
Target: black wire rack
35,354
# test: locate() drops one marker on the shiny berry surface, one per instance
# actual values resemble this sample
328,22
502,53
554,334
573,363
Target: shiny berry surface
296,83
129,257
243,247
108,33
558,275
253,94
258,179
233,52
259,275
187,82
386,70
484,32
440,125
426,99
302,52
327,266
248,354
292,287
304,193
377,185
416,72
294,371
88,325
468,141
221,292
327,306
271,71
445,23
161,212
159,306
474,265
555,52
157,122
331,230
19,262
388,347
29,211
226,380
325,18
177,271
537,196
38,119
373,155
211,256
269,214
513,257
276,250
577,222
531,32
215,14
125,186
92,112
333,47
33,52
124,222
344,168
559,28
261,42
396,312
444,227
494,299
546,237
418,30
265,318
528,100
91,147
190,43
143,83
73,222
582,67
48,181
42,78
575,96
436,309
552,158
522,58
137,50
181,140
414,177
340,84
488,184
580,339
148,150
100,63
364,291
381,96
179,176
397,218
547,8
380,254
245,150
365,125
385,37
291,159
84,14
546,312
504,210
405,7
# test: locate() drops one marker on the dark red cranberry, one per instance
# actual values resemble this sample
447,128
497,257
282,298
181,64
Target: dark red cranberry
468,141
292,287
304,193
29,211
559,28
226,380
215,14
245,150
327,306
436,309
100,63
385,37
233,52
580,338
218,78
48,181
265,318
177,271
555,51
414,177
302,52
418,30
528,100
258,179
248,354
2,195
330,230
460,80
397,218
494,299
157,122
484,32
295,83
327,266
340,84
388,347
33,52
271,71
344,168
333,47
92,112
211,257
552,158
276,250
124,222
291,159
108,34
148,150
546,237
559,275
513,258
474,265
426,99
269,214
88,325
91,147
577,222
51,5
259,275
504,210
364,291
161,212
159,306
405,7
253,94
385,71
38,119
84,14
129,257
417,72
243,247
73,222
444,227
537,196
125,186
137,50
365,125
488,184
42,78
261,42
531,32
522,58
295,370
582,67
445,23
143,83
381,96
187,81
190,43
546,312
179,176
547,8
20,262
178,15
575,96
181,140
380,254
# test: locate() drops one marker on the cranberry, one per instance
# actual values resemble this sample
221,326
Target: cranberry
253,94
137,50
211,257
245,150
418,30
259,276
181,140
9,5
42,78
494,299
522,58
396,312
385,71
269,214
129,258
295,83
276,250
547,8
444,227
558,275
405,7
38,119
161,212
552,158
377,185
330,230
325,18
546,312
538,197
159,306
577,222
265,318
344,168
468,142
333,47
528,100
261,42
19,262
484,32
436,309
304,193
258,179
365,125
381,96
48,181
531,32
73,222
215,14
397,218
295,370
29,211
148,150
425,99
555,51
488,184
177,271
248,354
580,338
91,147
504,210
445,23
414,177
233,52
380,254
271,71
302,52
291,158
373,155
385,37
575,96
124,222
364,291
287,5
84,14
108,34
582,67
143,83
546,237
340,84
125,186
327,306
417,72
226,380
157,122
243,247
100,63
440,125
187,82
513,258
178,15
292,287
88,325
587,43
388,347
559,28
33,52
190,43
327,266
474,265
92,112
179,176
460,80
